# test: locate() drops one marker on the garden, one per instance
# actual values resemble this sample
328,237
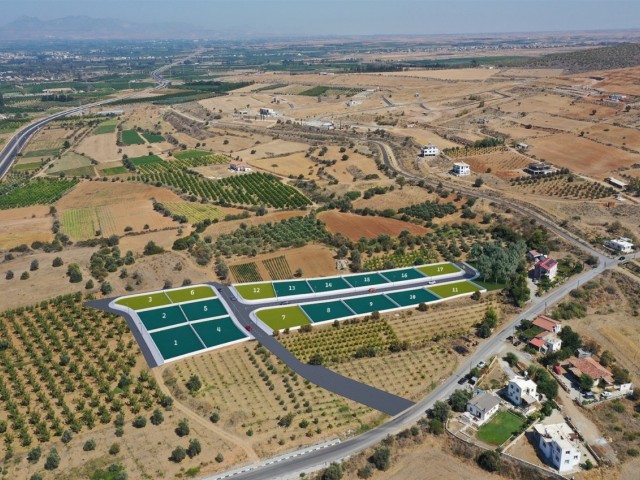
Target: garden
500,428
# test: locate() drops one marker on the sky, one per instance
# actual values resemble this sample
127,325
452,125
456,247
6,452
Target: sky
356,17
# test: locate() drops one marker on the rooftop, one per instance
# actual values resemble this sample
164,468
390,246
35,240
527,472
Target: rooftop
590,367
545,323
537,342
485,401
547,263
560,433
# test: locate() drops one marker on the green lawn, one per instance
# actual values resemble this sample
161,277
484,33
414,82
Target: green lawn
497,430
255,291
453,289
190,293
149,300
283,317
131,137
438,269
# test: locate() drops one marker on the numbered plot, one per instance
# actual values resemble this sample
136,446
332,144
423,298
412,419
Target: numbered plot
190,293
256,291
322,312
439,269
366,280
162,317
453,289
175,342
364,305
403,275
412,297
283,317
204,309
328,284
217,332
287,289
140,302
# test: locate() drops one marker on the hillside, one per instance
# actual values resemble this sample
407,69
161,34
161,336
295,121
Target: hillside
604,58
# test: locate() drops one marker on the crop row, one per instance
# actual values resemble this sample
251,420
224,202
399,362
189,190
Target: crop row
40,191
246,272
278,268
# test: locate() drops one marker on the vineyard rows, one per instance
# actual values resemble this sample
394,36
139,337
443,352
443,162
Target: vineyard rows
200,156
78,223
40,191
195,212
278,268
246,272
399,259
562,186
458,152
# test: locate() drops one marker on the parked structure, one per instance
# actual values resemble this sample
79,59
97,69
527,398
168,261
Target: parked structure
461,169
546,268
522,146
622,245
483,406
548,324
539,168
430,151
523,393
559,445
617,183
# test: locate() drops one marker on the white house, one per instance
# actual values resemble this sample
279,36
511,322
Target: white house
267,112
622,245
545,268
558,444
238,167
430,151
483,406
548,324
546,342
461,169
522,392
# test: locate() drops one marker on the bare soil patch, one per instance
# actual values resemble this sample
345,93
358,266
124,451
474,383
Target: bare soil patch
25,225
102,148
355,226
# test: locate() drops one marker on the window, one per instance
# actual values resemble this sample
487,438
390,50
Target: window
566,461
567,452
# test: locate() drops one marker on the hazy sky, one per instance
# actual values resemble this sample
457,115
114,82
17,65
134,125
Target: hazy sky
359,17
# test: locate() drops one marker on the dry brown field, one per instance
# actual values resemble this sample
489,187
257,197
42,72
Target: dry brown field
502,164
623,81
530,72
102,148
122,204
272,149
25,225
355,227
544,120
617,136
457,74
553,104
581,155
397,199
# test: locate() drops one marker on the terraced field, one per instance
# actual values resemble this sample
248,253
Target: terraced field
195,212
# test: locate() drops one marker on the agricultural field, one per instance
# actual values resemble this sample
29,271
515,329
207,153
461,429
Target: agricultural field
245,272
278,268
355,227
459,153
153,137
397,259
26,167
108,126
72,164
200,157
196,212
25,225
114,171
564,186
503,164
40,191
46,143
131,137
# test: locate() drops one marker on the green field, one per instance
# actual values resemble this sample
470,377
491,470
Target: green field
256,291
146,160
47,152
195,212
412,297
131,137
22,167
40,191
278,268
190,293
200,157
246,272
287,289
153,138
70,161
366,280
162,317
177,341
365,305
114,171
283,317
453,289
148,300
78,223
402,275
324,311
106,127
498,430
441,269
204,309
217,332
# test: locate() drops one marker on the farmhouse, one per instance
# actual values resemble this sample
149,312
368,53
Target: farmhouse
617,183
546,342
523,393
548,324
483,406
461,169
588,366
430,151
545,268
267,112
522,146
558,444
238,167
539,168
622,244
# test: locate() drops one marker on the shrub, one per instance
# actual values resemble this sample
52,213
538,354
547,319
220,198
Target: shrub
381,458
183,428
194,448
74,273
24,276
139,422
9,275
633,452
194,383
106,288
215,417
114,449
89,445
35,265
178,455
157,417
316,359
152,249
34,455
436,427
57,262
219,458
489,461
53,460
334,472
365,472
66,436
89,285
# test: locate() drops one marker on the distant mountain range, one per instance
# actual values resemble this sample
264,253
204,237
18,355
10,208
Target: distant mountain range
87,28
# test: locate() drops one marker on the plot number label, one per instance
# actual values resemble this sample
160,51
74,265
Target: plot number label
193,292
328,285
404,275
219,329
366,280
175,343
205,308
440,269
164,315
256,289
328,310
284,316
412,297
150,299
371,304
454,289
292,288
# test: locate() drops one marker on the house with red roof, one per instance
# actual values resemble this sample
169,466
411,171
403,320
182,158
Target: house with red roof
590,367
546,268
547,324
546,342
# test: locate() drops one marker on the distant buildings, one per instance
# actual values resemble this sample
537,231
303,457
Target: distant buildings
622,245
430,151
545,268
238,167
483,406
522,146
558,444
537,169
461,169
110,113
267,112
522,392
617,183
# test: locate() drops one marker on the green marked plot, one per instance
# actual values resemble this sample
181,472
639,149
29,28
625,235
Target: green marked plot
441,269
412,297
366,280
321,312
217,332
190,293
176,341
402,275
283,317
162,317
144,301
255,291
205,309
364,305
329,284
453,289
286,289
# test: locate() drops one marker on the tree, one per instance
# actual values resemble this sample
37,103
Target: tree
215,417
183,428
106,288
511,358
219,458
66,436
441,411
152,249
194,448
74,273
53,460
459,400
316,359
436,427
571,340
24,276
35,265
178,455
333,472
479,182
157,417
607,358
620,375
139,422
89,285
114,449
34,455
194,384
586,382
89,445
381,458
489,460
9,275
518,289
57,262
